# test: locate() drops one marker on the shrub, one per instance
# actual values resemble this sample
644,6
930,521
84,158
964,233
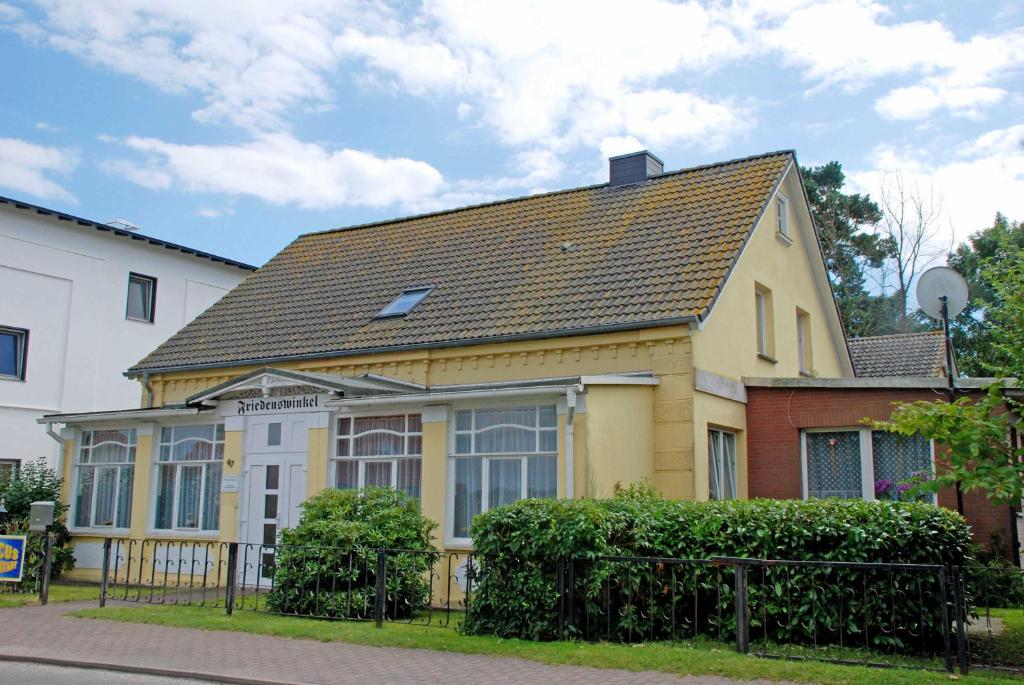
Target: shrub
327,565
991,579
37,482
517,548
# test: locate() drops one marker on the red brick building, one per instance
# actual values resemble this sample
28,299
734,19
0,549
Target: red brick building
806,438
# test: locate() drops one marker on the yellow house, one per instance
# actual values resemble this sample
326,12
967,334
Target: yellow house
557,345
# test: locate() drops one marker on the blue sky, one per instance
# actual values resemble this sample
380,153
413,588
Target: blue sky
235,126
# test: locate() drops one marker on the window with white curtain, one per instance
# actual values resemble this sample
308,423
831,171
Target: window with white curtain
722,464
105,474
856,463
189,470
501,455
381,451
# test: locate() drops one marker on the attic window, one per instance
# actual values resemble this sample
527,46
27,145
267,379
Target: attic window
404,303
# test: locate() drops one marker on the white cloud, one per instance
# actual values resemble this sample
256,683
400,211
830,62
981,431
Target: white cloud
254,62
214,212
280,169
918,102
537,83
981,177
853,43
27,168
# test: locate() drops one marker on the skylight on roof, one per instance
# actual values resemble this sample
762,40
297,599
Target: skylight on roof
404,303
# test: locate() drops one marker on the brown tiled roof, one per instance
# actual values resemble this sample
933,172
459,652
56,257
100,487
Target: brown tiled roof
574,261
919,355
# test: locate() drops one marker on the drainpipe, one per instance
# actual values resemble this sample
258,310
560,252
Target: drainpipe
570,466
149,390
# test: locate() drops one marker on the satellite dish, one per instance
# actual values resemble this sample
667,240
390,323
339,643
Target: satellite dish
937,282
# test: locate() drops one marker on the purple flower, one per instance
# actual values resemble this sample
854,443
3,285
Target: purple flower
903,487
882,486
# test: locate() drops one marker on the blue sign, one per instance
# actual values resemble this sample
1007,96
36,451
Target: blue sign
12,558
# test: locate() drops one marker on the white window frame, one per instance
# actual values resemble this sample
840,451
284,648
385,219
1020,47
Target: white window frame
782,216
336,437
803,340
79,467
157,464
486,458
722,432
761,320
867,459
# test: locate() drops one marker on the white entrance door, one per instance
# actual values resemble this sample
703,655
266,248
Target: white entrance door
274,485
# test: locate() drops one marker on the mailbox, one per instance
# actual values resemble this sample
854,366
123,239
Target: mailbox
41,517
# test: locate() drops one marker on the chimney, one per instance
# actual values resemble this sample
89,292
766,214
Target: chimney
633,168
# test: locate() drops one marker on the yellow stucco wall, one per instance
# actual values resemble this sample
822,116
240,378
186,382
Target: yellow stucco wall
620,438
727,343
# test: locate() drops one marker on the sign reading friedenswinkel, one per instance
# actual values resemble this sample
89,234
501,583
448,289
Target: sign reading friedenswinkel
278,405
12,558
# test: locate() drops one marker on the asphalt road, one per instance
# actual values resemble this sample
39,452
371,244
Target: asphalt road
20,673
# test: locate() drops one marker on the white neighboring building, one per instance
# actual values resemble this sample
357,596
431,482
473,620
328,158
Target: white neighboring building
80,302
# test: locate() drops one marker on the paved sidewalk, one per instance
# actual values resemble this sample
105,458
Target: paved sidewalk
47,633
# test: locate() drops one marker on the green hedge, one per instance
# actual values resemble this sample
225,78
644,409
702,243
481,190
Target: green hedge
327,565
517,548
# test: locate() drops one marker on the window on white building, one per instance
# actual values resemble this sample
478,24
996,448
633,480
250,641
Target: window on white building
13,352
141,298
189,469
721,464
500,456
382,451
860,463
105,473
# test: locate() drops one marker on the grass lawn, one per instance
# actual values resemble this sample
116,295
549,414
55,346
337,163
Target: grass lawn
1007,648
58,593
701,659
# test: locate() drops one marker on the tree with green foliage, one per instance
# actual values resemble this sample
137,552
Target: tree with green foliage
37,482
972,337
980,455
840,219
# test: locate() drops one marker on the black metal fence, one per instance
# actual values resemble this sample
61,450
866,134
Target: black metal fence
412,586
919,615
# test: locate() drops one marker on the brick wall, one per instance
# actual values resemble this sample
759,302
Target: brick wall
775,417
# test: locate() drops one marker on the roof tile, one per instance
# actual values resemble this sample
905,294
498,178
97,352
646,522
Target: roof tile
642,253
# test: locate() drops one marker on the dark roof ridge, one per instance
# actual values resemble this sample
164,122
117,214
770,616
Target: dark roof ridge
896,335
134,235
563,191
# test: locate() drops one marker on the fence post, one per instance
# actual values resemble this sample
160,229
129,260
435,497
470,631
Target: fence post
229,591
742,614
44,585
379,599
946,625
560,585
105,572
959,606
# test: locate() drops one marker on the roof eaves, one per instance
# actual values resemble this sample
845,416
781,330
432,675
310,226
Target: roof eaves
137,370
19,204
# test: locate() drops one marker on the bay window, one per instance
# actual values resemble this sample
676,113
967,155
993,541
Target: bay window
189,469
105,474
500,456
381,451
855,463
